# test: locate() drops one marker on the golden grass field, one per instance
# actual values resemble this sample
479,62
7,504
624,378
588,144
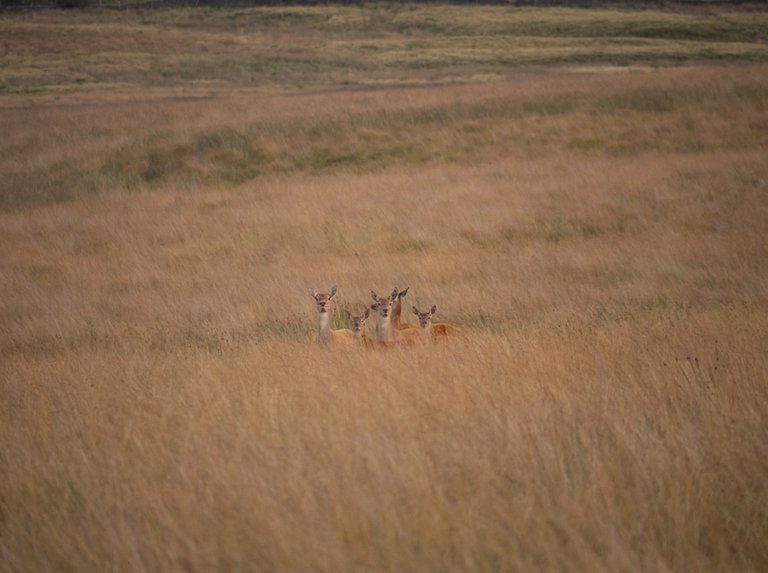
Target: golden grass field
583,192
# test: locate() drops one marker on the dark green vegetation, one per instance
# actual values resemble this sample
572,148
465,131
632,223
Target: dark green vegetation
300,47
701,114
192,56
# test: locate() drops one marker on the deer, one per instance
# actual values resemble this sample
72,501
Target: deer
397,308
385,333
438,331
325,334
359,335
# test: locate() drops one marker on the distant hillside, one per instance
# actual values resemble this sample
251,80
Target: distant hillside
152,4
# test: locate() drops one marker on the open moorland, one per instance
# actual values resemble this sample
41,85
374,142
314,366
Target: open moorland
583,192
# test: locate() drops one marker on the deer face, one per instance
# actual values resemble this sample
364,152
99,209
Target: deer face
383,305
425,318
322,299
358,322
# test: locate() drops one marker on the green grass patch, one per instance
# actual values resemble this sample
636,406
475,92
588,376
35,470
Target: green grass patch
331,45
616,122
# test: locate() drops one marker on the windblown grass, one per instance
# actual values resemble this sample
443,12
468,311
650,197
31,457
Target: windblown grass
258,135
598,232
54,52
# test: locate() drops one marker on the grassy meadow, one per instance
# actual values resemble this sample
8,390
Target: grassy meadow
583,192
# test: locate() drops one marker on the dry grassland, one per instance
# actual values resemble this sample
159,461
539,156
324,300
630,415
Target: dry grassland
600,234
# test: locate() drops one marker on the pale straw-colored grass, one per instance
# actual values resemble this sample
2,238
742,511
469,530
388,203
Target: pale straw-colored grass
602,244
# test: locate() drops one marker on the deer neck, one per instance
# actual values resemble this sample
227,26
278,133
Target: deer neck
385,326
397,308
324,328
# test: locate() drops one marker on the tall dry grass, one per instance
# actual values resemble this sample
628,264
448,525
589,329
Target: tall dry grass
559,449
602,243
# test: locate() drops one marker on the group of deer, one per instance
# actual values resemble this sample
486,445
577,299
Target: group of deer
390,331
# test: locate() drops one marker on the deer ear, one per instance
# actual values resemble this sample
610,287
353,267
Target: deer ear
367,313
415,310
374,307
403,293
393,296
333,291
374,297
433,310
313,293
349,314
